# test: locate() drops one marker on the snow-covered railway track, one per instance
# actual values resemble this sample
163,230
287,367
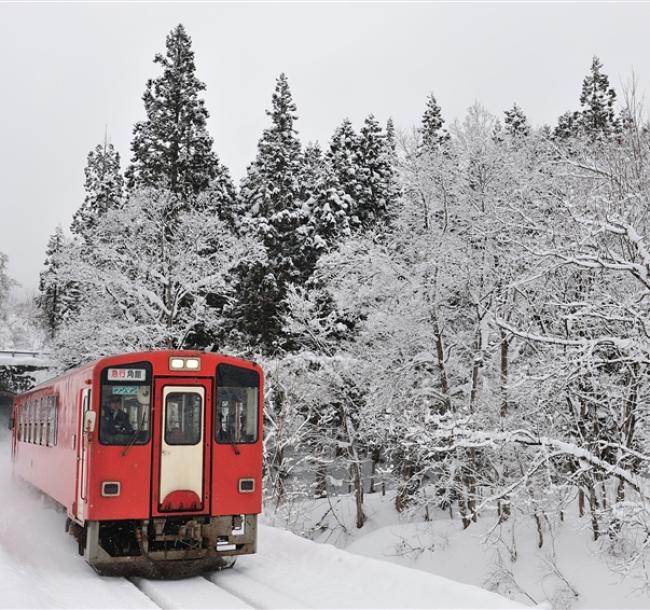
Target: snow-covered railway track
255,593
226,589
193,593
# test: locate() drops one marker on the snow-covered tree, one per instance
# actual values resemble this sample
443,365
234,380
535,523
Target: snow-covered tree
104,186
516,123
172,148
344,159
270,195
597,115
152,291
376,178
59,299
432,129
5,282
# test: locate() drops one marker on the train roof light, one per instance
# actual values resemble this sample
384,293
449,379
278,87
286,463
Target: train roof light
176,363
184,364
193,364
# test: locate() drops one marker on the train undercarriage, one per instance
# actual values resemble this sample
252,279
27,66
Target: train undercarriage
165,547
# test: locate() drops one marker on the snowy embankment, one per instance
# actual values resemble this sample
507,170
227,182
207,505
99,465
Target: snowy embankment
40,568
569,571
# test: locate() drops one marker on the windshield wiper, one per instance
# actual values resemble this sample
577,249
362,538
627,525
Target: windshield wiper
135,435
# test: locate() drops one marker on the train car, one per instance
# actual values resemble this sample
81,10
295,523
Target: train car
156,457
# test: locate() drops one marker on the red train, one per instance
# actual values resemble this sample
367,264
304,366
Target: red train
156,456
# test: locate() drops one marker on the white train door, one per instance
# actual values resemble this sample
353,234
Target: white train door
82,455
182,445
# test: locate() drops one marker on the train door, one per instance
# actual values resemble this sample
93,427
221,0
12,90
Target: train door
82,454
182,444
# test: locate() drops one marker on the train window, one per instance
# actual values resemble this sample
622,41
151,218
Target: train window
42,421
183,418
236,405
52,421
30,422
125,405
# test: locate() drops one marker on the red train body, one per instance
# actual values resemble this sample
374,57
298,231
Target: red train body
156,457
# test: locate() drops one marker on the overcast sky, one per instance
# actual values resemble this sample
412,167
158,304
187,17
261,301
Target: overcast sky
67,70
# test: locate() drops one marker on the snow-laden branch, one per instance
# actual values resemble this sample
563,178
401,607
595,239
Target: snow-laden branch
455,438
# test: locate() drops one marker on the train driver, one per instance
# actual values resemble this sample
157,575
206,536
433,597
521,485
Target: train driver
115,421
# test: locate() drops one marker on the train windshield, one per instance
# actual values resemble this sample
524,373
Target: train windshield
125,405
237,402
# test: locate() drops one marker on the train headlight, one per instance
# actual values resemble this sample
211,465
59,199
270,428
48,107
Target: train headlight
176,363
184,364
193,364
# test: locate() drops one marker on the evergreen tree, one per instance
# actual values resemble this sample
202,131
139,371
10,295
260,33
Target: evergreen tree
567,126
376,175
344,160
328,204
5,284
432,132
312,169
597,116
59,297
220,198
270,195
516,123
104,185
172,148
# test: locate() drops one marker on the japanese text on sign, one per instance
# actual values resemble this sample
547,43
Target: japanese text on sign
127,374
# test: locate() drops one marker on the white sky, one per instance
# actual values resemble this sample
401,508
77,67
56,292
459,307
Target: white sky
69,69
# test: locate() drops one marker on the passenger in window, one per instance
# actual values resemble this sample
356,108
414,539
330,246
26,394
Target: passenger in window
224,431
115,421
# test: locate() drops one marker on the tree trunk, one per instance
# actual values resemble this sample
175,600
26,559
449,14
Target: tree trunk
593,505
504,374
320,490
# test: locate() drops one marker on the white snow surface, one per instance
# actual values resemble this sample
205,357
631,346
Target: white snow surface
40,568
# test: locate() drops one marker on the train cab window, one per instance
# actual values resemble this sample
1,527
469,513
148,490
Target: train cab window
183,418
125,405
236,405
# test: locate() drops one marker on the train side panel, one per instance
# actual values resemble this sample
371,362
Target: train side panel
53,469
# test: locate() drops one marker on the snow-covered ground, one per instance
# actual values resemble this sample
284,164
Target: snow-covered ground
40,568
390,563
569,571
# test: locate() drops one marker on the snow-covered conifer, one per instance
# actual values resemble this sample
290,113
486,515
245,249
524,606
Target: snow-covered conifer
597,115
432,131
516,123
172,148
104,189
270,196
59,297
343,156
376,176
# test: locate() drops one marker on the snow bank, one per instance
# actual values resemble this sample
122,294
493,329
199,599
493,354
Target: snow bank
322,576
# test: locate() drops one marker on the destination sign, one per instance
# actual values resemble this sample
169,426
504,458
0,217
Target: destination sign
127,374
125,390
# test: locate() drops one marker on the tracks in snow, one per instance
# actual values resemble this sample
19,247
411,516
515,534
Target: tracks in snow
219,590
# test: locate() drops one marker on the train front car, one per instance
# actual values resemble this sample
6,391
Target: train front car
170,463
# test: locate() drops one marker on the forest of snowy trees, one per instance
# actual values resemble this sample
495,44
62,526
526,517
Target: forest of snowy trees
455,313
